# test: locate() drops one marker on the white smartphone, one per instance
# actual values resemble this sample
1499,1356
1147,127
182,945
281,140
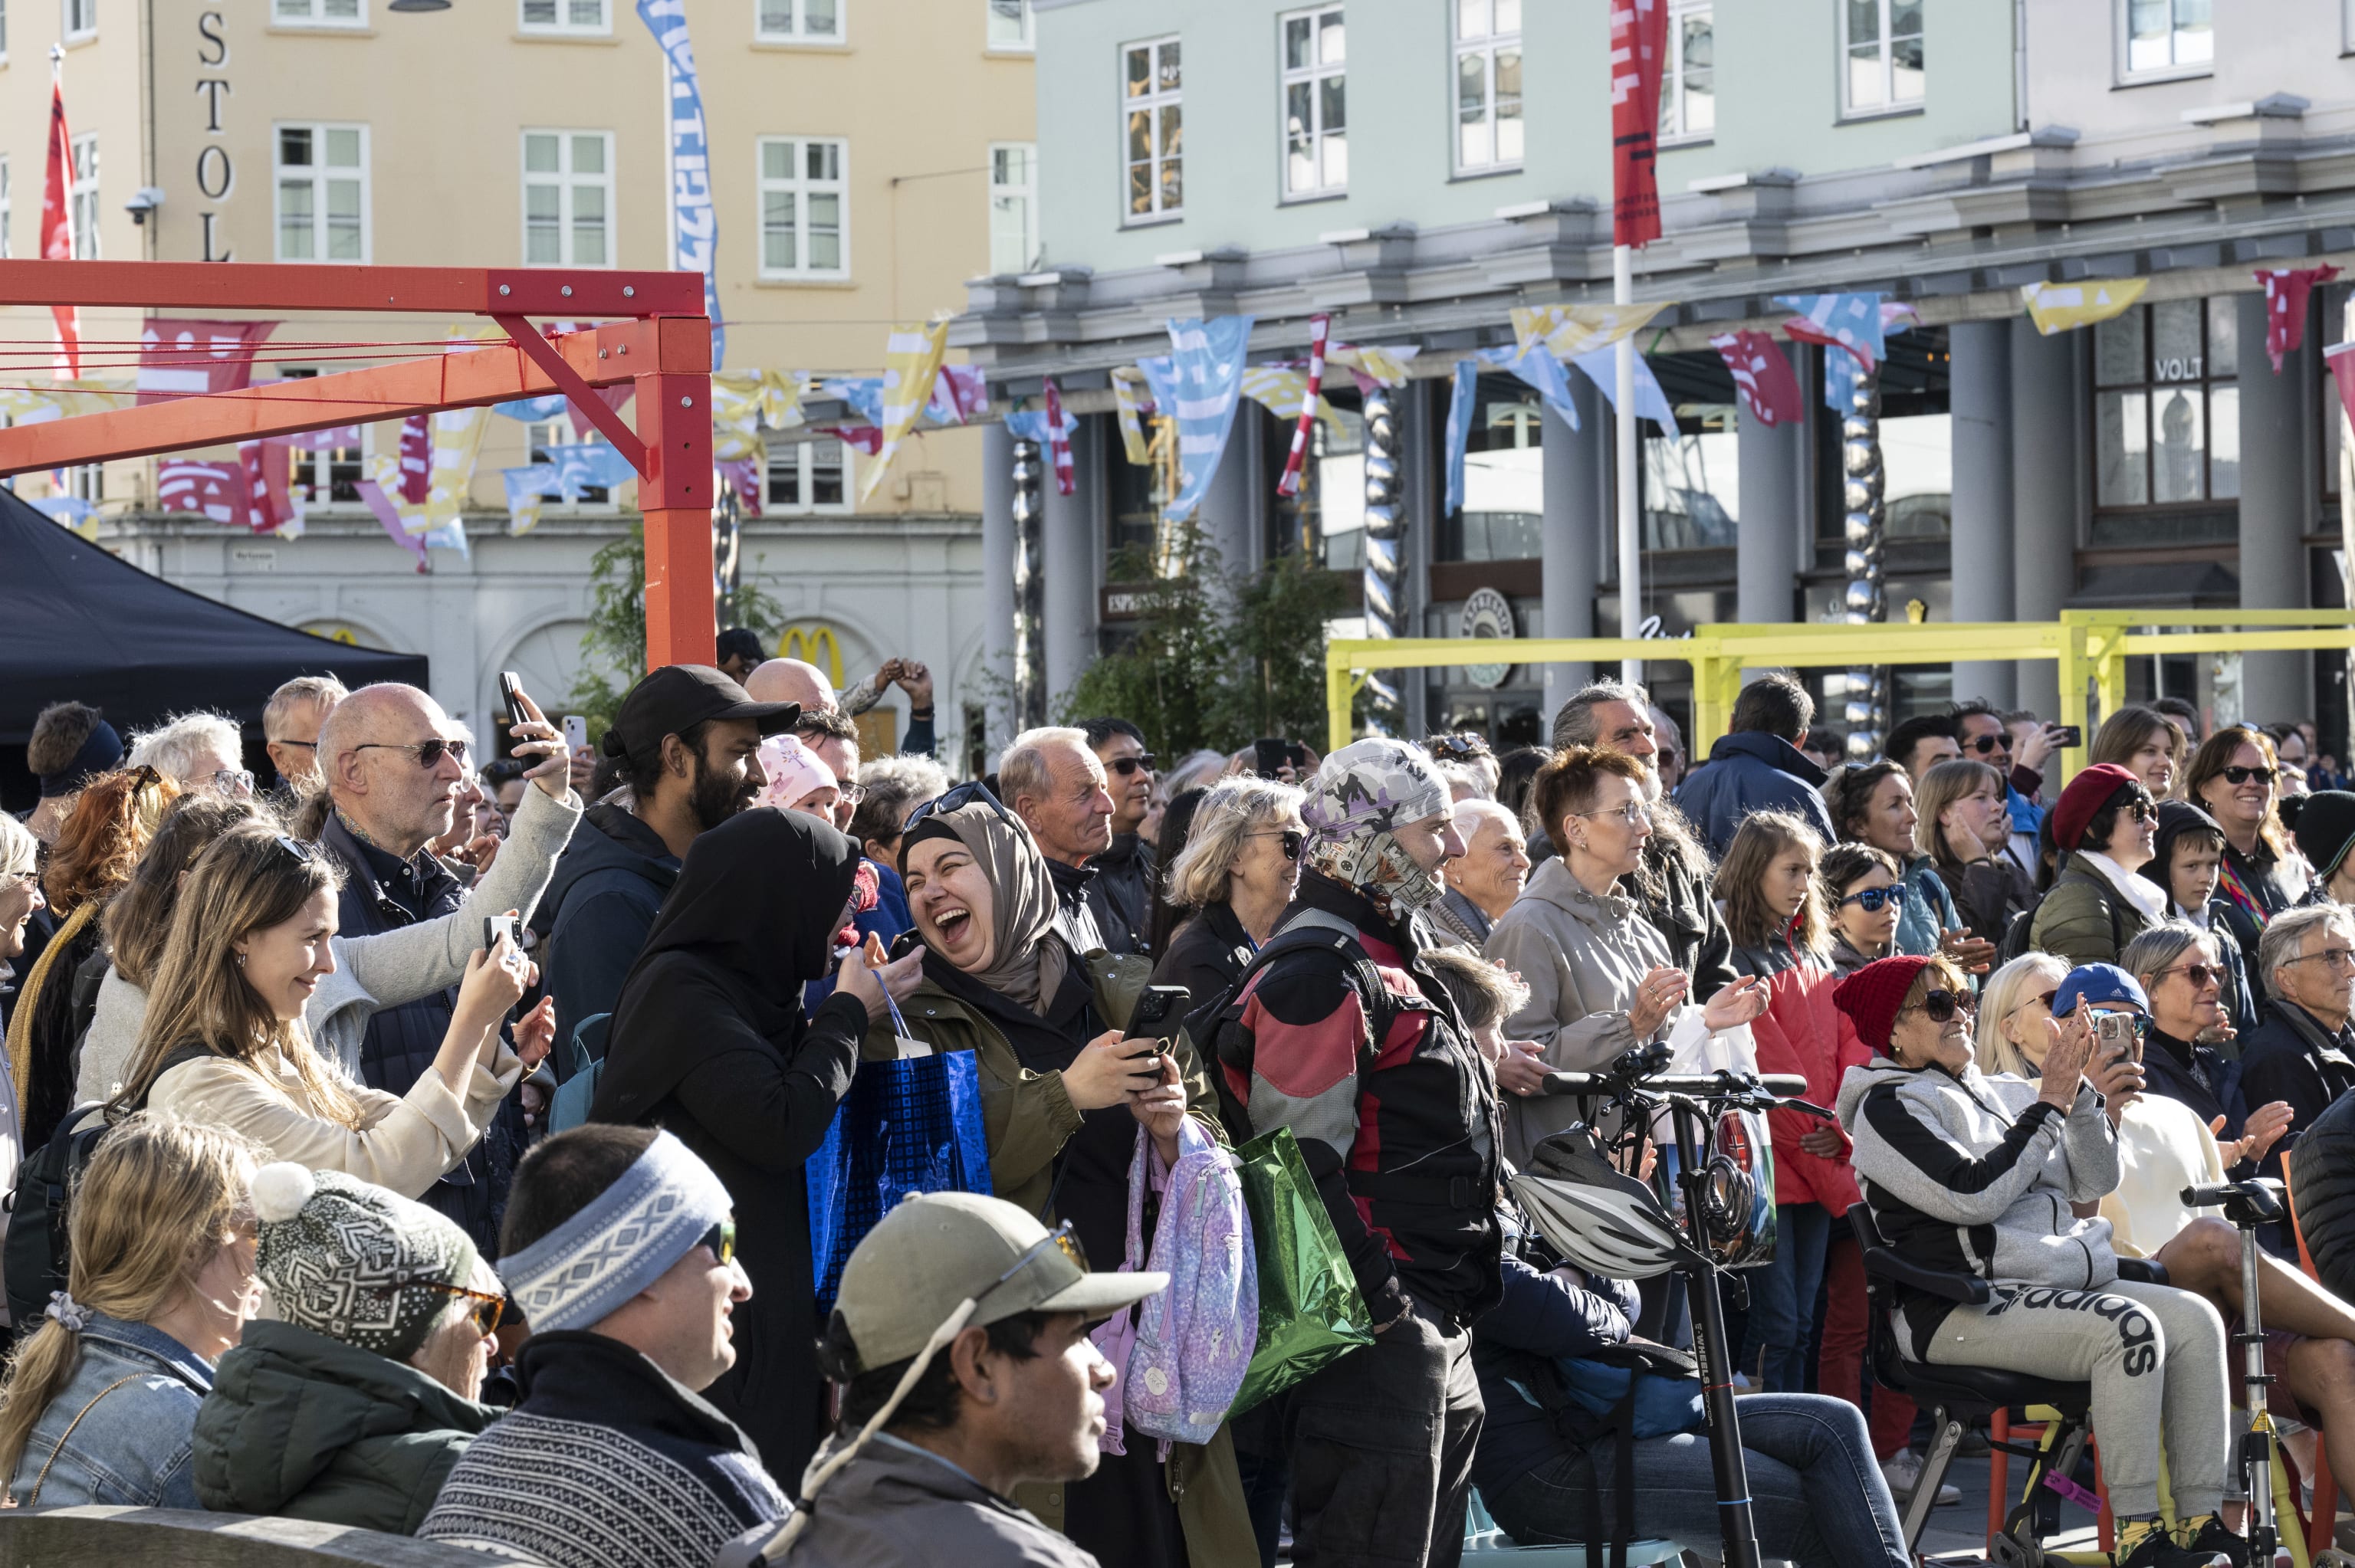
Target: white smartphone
576,733
494,927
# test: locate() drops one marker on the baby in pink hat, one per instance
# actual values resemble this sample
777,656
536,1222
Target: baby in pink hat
798,779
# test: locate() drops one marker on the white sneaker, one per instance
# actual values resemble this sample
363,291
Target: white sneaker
1902,1471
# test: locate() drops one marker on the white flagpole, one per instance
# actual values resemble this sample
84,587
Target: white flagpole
1631,550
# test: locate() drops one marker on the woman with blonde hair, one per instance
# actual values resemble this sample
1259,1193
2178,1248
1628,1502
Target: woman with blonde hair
99,1406
2147,744
224,1038
1963,823
2010,1036
1237,873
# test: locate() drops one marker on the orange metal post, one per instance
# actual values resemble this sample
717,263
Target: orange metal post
674,408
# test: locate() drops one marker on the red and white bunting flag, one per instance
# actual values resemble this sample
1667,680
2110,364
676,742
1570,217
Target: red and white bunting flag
1639,41
868,438
1318,327
185,358
1802,330
961,393
743,475
1762,375
416,459
215,490
57,221
2286,289
1059,440
265,473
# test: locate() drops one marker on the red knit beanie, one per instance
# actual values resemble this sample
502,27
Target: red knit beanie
2087,793
1871,996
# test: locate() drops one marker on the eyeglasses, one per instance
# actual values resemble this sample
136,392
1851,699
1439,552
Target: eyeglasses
305,744
1631,814
233,781
1293,840
2202,975
722,1239
1062,1239
1871,898
2338,959
1942,1005
851,794
429,753
1127,767
488,1311
2243,775
964,794
1994,740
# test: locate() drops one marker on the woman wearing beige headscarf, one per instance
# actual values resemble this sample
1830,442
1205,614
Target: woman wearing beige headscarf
1063,1093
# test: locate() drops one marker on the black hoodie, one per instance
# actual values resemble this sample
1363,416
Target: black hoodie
600,904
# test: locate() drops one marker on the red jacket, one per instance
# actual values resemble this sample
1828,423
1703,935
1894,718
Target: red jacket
1802,1033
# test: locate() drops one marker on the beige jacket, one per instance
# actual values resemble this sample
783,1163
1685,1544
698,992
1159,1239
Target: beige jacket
1581,956
403,1143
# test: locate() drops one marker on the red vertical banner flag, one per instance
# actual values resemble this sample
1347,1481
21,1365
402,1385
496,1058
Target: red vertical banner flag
2286,289
416,457
1059,441
1639,40
57,221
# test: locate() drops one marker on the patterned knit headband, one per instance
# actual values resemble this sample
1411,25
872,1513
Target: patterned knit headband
630,1234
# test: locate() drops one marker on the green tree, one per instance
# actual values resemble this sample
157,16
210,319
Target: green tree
1277,685
614,648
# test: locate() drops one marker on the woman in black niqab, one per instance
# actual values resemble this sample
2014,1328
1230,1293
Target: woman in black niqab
710,1043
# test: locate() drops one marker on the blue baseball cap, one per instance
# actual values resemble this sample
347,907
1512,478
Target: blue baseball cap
2098,982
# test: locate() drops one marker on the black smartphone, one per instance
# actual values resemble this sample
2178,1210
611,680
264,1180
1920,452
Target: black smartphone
1156,1009
511,692
1273,756
2067,735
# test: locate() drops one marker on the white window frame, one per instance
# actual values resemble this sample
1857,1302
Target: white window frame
314,14
799,461
568,184
1026,40
83,199
1314,76
315,470
564,27
1151,104
2122,15
1889,103
1675,127
1486,46
1027,191
801,186
279,173
7,209
77,19
799,35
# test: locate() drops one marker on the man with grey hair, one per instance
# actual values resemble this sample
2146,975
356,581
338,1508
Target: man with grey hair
1052,781
2304,1052
290,723
1670,885
195,751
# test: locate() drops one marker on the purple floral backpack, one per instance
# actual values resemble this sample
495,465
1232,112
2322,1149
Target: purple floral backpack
1195,1338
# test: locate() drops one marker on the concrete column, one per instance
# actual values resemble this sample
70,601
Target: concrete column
1229,504
2044,496
1767,546
1072,524
2273,513
998,585
1577,527
1980,377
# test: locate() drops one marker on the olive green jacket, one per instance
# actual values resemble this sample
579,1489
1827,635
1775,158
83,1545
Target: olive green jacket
2084,918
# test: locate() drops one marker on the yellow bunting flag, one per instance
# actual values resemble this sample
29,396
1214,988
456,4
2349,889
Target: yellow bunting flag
2058,307
1129,394
1573,330
743,402
1386,366
912,363
1280,391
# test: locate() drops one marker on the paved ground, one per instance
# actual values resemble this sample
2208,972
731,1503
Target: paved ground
1958,1533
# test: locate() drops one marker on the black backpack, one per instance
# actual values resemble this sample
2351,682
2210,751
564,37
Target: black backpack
35,1261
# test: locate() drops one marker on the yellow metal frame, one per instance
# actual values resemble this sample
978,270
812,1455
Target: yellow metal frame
2089,646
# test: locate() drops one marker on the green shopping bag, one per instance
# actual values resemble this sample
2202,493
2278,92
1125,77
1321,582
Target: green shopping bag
1310,1313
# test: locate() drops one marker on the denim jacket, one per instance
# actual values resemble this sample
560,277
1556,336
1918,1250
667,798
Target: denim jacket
130,1446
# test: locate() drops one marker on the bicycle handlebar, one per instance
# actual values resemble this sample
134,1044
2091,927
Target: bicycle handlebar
1778,1085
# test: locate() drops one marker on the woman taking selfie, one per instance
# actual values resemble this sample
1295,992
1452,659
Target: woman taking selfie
2234,777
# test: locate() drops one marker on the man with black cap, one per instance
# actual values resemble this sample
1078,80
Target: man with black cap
686,738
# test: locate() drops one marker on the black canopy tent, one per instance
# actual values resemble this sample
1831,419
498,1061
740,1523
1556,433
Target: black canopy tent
77,623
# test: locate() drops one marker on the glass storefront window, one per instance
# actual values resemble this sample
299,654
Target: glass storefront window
1504,480
1917,462
2167,412
1692,482
1327,518
1138,491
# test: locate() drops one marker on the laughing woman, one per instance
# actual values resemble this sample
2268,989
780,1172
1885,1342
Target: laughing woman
1062,1095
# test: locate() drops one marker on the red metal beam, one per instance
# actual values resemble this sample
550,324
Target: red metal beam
576,391
263,286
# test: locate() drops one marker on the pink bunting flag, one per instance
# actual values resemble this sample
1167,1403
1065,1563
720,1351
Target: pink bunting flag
416,459
212,490
743,476
388,515
1319,326
1762,375
961,393
2340,359
2286,289
868,438
180,357
1059,440
264,471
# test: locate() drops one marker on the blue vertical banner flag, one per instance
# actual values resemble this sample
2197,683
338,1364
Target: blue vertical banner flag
694,222
1540,371
1601,368
1461,407
1198,384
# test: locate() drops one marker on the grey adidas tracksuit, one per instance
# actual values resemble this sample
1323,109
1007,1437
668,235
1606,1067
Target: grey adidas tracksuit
1975,1175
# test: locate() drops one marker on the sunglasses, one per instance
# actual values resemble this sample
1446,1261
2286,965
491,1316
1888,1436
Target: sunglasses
2142,810
1457,745
1990,742
1128,766
1872,899
964,794
2243,775
488,1311
296,850
1062,1239
2046,1001
1942,1005
722,1239
1293,840
429,753
2200,974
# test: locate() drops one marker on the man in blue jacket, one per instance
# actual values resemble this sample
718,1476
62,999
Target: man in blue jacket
1757,765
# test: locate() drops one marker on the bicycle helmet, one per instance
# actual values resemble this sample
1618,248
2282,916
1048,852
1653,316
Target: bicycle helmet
1597,1217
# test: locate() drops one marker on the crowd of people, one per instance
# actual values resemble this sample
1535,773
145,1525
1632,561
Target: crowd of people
299,1052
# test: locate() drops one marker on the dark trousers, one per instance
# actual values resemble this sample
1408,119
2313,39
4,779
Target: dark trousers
1381,1451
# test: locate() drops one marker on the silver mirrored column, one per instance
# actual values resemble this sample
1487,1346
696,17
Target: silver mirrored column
1864,528
1385,550
1029,590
